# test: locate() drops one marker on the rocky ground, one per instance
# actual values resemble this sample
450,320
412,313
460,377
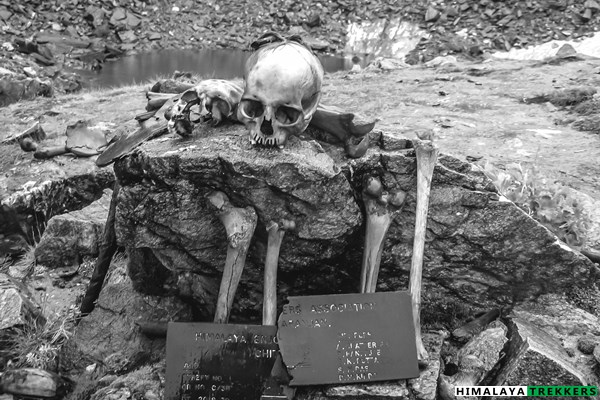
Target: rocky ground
502,115
40,38
532,127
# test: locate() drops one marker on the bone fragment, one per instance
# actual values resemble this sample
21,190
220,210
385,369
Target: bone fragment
427,154
239,224
357,150
49,152
35,133
341,123
381,208
157,100
275,237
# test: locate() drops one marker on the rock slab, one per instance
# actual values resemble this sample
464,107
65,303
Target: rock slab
481,250
74,234
16,305
109,335
536,358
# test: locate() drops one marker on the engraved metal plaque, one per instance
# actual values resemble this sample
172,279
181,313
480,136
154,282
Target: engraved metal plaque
207,361
346,338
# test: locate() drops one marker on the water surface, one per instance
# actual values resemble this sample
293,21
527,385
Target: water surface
225,64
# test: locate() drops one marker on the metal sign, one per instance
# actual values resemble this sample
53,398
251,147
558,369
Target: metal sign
207,361
346,338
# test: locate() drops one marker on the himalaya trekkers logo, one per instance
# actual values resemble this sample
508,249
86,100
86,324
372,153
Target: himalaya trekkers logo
526,391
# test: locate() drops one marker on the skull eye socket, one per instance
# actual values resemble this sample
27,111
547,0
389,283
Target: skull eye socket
252,108
287,115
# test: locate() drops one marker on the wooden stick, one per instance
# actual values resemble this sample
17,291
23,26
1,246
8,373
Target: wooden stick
426,158
108,248
381,209
477,325
239,224
275,237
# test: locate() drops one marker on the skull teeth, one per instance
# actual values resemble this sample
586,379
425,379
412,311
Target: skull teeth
259,138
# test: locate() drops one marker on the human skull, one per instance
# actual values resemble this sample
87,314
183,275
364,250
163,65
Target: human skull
283,88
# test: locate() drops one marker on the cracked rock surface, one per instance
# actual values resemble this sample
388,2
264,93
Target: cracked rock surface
480,251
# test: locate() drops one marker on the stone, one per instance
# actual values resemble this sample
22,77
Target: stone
536,357
384,390
118,16
73,235
316,44
144,382
132,20
314,20
482,251
565,51
591,4
127,36
475,359
567,324
425,386
31,383
597,354
109,334
13,89
17,307
96,15
154,36
587,344
432,15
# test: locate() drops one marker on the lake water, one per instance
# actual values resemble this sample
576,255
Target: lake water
146,67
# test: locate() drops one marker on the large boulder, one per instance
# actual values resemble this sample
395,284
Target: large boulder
110,335
481,250
74,234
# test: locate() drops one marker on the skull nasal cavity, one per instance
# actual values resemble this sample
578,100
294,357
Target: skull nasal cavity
266,128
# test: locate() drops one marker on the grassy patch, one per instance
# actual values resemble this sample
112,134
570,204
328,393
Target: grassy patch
586,297
572,96
588,107
588,124
547,202
443,312
36,344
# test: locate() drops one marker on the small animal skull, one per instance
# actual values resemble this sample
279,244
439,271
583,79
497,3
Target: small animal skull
283,89
214,99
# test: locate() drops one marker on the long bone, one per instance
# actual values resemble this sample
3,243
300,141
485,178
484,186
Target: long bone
239,224
275,231
381,208
427,154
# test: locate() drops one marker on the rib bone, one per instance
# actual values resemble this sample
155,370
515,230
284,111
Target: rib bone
239,224
381,208
427,154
